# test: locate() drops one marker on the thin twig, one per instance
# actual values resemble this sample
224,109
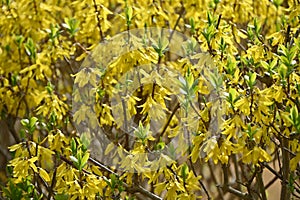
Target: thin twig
219,20
212,172
168,122
227,188
200,182
271,182
261,185
132,189
272,170
98,21
177,22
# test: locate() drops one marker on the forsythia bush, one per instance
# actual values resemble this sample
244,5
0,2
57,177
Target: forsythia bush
235,117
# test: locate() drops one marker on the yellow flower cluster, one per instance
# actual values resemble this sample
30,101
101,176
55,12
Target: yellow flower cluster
228,102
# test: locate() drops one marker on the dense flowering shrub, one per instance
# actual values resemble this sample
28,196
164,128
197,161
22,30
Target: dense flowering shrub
235,117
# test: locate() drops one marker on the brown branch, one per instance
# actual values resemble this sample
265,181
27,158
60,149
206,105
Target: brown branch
261,185
227,188
285,194
271,182
168,122
272,170
237,173
182,11
212,172
219,20
53,181
98,21
10,124
200,182
125,122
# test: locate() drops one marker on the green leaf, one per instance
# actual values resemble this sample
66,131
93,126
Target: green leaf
273,63
61,197
85,140
129,12
19,40
277,3
25,122
184,172
253,78
294,115
74,159
84,160
192,24
49,88
72,26
33,121
128,15
265,65
282,71
73,146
